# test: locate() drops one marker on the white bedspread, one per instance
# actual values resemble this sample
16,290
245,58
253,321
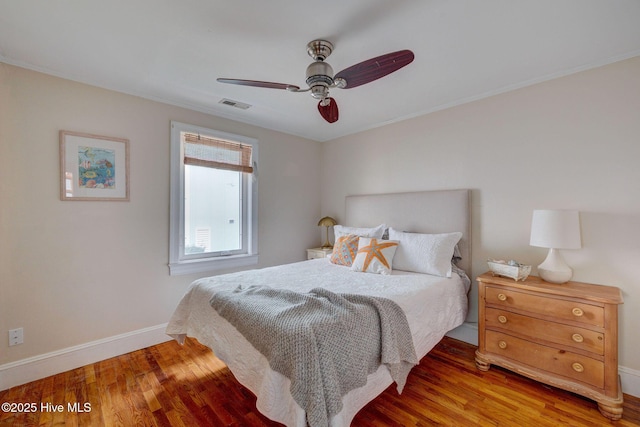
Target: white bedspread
433,306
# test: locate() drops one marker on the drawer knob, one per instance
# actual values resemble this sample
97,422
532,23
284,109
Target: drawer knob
502,319
577,312
577,337
577,367
502,297
502,344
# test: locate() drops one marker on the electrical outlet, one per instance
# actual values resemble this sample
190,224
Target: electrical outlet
16,336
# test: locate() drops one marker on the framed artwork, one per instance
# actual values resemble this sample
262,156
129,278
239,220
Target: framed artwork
93,167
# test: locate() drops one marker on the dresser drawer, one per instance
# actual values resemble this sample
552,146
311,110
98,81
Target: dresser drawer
565,363
557,308
565,335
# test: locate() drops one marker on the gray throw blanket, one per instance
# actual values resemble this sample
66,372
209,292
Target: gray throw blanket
325,343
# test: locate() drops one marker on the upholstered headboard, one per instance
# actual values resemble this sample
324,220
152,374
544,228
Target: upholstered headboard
441,211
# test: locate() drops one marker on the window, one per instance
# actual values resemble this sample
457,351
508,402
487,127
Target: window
214,195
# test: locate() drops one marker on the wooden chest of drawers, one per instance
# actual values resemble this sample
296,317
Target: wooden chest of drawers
563,335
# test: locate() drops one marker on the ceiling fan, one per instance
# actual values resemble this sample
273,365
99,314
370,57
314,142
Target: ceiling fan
320,76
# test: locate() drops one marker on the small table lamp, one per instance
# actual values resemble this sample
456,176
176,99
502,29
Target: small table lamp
555,229
327,221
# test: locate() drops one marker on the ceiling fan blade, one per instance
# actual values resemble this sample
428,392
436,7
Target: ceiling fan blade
330,111
374,68
257,83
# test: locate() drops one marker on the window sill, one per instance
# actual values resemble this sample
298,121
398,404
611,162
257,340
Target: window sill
210,265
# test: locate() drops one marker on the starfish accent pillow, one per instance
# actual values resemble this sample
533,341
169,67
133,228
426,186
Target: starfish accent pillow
374,255
345,250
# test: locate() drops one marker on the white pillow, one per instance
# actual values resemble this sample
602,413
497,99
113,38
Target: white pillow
341,230
425,253
374,255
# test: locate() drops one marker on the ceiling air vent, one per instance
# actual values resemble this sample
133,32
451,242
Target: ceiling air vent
236,104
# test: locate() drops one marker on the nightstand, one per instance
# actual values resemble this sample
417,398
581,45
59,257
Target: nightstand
562,335
318,253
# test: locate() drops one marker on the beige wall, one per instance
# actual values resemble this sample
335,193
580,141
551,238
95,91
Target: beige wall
570,143
75,272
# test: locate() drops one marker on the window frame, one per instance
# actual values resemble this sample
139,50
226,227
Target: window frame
212,261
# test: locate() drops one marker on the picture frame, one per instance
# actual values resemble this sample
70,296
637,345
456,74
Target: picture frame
93,167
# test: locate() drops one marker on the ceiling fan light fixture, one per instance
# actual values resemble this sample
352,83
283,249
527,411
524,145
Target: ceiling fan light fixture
320,77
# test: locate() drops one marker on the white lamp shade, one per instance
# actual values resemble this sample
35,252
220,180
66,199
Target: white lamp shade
558,229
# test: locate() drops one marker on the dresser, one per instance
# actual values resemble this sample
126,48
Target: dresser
562,335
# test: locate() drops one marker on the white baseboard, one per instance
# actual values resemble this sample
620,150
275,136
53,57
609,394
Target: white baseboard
630,378
467,332
38,367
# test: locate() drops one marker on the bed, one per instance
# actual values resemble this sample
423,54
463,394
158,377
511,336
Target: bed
433,304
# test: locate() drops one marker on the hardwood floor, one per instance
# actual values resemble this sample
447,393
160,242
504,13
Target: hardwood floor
173,385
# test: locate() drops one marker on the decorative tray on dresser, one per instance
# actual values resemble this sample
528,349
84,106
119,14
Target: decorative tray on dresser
562,335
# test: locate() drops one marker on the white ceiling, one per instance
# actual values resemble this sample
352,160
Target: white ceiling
173,51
